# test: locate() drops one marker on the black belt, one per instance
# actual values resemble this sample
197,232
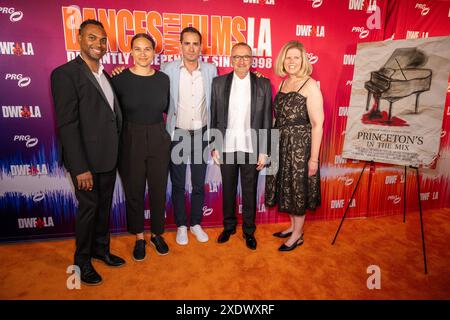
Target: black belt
192,132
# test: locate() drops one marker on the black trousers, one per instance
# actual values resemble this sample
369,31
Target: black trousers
249,182
93,216
198,173
144,157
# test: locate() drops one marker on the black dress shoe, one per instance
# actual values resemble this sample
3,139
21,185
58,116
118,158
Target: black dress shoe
110,260
139,250
225,235
250,241
89,276
160,245
282,235
296,244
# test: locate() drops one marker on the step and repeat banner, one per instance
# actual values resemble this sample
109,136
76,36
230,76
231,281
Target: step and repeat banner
36,197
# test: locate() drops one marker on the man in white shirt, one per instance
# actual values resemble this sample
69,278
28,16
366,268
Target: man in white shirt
188,118
240,108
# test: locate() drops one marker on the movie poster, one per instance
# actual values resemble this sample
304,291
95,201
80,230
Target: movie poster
397,101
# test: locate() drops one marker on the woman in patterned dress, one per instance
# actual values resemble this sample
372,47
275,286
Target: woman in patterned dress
298,105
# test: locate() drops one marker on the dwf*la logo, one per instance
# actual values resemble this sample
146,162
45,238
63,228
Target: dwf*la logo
22,81
306,30
16,48
363,33
30,141
349,59
369,5
21,112
35,223
264,2
339,203
29,169
14,15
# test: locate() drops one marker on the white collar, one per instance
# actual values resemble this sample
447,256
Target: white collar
236,77
100,67
183,66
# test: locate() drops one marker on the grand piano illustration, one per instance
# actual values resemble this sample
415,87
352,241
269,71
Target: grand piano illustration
399,77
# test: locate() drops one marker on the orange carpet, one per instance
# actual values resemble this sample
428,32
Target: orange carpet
316,270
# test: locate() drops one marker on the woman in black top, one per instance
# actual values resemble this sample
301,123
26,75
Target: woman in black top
143,93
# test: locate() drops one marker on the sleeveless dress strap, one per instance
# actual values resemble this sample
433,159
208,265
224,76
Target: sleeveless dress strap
281,86
303,85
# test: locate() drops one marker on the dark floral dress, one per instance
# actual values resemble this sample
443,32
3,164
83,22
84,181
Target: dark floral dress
290,187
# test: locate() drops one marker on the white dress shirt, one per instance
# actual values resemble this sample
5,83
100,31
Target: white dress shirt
104,84
192,114
238,135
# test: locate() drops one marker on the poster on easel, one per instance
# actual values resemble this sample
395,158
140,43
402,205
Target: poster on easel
397,101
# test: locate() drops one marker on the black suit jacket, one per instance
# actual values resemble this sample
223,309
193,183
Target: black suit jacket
88,129
261,108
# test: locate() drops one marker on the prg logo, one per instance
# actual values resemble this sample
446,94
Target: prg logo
38,196
30,142
21,80
316,3
363,33
346,180
312,57
394,198
423,7
207,211
14,15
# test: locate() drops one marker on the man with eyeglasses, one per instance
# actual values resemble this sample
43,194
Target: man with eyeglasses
240,110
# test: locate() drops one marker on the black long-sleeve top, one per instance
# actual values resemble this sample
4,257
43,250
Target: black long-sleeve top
143,99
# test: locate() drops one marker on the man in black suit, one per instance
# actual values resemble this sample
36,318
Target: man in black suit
89,121
240,107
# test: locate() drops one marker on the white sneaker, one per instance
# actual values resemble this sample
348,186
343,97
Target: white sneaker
182,237
199,233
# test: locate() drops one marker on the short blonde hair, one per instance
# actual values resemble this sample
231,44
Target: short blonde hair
305,69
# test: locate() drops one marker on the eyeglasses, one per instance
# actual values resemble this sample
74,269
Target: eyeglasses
245,58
